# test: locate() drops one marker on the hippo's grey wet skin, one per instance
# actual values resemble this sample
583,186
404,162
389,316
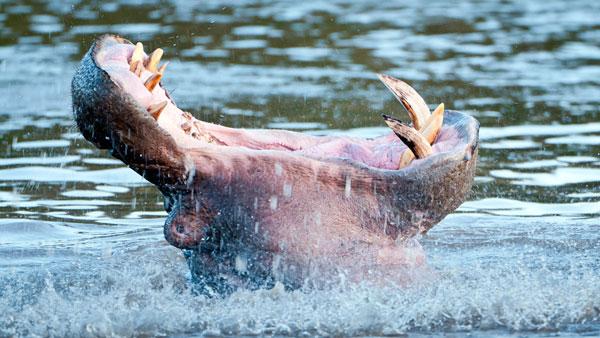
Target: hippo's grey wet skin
251,207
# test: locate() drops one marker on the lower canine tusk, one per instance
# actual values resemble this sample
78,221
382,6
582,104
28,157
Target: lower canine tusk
411,100
416,142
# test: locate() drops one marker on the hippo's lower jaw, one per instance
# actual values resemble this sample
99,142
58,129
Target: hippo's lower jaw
271,204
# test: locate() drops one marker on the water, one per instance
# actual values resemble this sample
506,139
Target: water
81,245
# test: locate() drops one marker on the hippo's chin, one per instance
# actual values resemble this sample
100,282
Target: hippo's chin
254,268
274,205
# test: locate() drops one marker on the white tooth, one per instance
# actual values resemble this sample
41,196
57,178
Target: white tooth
413,139
156,109
152,81
433,125
133,66
139,68
154,60
411,100
163,67
430,131
138,53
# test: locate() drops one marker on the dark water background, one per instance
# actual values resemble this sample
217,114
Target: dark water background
81,244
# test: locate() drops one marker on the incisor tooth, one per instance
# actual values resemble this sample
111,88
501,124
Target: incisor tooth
405,159
152,81
409,136
138,53
133,66
156,109
434,124
430,132
154,59
139,68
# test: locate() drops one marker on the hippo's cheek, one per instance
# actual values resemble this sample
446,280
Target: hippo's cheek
185,229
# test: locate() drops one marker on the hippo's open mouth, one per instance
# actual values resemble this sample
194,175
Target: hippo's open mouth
305,200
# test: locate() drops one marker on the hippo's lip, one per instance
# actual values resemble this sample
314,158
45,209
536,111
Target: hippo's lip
119,104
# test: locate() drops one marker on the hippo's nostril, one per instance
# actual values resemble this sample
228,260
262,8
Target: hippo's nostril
180,228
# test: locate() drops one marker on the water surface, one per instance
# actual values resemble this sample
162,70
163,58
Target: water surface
81,244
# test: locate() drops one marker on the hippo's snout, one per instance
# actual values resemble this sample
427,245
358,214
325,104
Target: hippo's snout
276,204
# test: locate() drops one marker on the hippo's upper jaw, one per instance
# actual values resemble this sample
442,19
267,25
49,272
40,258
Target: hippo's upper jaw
273,204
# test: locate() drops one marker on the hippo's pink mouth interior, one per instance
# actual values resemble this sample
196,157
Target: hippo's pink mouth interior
383,152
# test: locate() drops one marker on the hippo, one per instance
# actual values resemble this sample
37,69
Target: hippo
256,208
